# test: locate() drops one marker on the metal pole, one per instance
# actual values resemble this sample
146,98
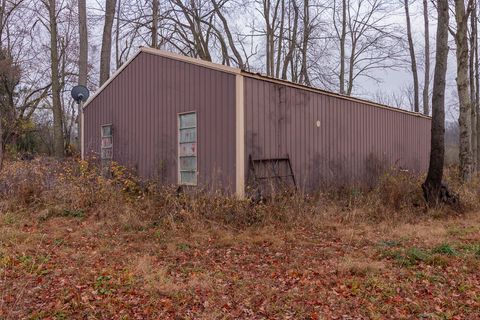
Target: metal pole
80,127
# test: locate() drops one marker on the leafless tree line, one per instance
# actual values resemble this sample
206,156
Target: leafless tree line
322,42
47,47
464,32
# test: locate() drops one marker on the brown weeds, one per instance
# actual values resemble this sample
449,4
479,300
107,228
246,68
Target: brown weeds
46,188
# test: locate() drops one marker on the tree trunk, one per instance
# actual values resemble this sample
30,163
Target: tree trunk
280,40
465,115
82,61
342,46
304,79
426,84
351,67
83,39
228,33
155,10
433,184
106,51
288,60
473,36
58,140
266,12
413,60
1,140
477,85
3,6
118,58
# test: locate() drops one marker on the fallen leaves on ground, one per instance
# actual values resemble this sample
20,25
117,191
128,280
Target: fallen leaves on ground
83,268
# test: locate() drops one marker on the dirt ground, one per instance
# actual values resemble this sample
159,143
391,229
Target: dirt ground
73,266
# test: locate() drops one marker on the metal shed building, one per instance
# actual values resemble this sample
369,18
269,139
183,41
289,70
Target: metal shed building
181,120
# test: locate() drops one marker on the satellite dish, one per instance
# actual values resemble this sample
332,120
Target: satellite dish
80,93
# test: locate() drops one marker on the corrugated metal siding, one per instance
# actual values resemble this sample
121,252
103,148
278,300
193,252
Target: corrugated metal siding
142,103
353,145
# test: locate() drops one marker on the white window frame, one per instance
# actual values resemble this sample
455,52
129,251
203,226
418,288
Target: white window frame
101,141
179,171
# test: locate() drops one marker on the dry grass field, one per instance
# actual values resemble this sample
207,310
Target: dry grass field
76,246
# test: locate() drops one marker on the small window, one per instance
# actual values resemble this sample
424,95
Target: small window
107,131
187,148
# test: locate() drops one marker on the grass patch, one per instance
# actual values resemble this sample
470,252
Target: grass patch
73,213
103,285
183,246
445,249
462,230
390,243
413,256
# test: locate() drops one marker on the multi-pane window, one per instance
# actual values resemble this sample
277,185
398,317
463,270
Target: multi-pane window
106,148
107,143
187,146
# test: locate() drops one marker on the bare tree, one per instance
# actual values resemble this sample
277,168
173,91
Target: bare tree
473,89
307,30
83,59
413,60
271,16
118,54
8,80
4,13
18,100
190,34
433,183
290,46
465,115
426,82
477,82
371,42
83,43
399,99
34,89
137,23
342,37
1,140
59,144
155,17
231,43
106,51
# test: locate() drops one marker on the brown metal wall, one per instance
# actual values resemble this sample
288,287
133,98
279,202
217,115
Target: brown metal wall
354,144
143,103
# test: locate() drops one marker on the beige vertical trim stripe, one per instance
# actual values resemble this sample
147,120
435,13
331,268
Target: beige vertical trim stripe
239,137
82,134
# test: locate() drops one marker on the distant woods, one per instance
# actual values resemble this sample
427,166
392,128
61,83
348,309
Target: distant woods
49,46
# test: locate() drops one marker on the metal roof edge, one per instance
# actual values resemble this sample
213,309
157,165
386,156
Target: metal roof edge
200,62
329,93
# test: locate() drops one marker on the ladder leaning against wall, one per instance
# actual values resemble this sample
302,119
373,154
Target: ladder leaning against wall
271,175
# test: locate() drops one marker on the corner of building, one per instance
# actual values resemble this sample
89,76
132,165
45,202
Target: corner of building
239,137
82,134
